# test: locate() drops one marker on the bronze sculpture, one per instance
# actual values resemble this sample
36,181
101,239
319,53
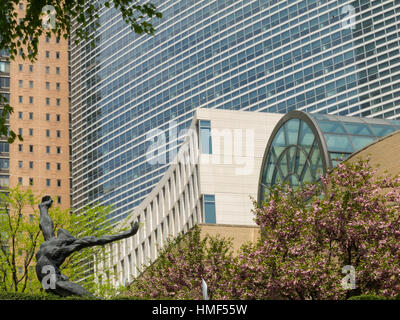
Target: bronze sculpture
54,250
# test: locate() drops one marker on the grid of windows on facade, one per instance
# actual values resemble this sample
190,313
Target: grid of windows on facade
272,56
296,153
4,74
209,209
30,99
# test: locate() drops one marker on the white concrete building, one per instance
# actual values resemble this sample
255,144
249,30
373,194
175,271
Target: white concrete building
211,180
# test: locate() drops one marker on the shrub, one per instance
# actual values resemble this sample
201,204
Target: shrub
181,265
48,296
368,297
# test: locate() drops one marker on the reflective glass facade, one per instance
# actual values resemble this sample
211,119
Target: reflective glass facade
304,145
258,55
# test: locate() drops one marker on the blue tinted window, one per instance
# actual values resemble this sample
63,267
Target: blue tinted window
4,163
4,147
292,129
360,142
205,136
331,127
358,128
381,130
209,208
294,156
336,142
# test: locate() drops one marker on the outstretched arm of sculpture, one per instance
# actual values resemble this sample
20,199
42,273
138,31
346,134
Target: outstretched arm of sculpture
91,241
45,223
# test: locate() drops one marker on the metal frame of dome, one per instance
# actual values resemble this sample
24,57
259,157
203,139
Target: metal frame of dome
333,127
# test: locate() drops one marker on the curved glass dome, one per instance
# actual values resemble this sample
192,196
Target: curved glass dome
303,146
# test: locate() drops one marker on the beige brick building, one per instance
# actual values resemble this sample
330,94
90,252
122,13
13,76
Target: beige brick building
39,95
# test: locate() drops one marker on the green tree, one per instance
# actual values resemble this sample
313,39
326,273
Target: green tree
79,267
20,239
20,35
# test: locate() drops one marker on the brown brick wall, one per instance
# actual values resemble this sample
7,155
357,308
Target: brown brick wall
39,123
238,234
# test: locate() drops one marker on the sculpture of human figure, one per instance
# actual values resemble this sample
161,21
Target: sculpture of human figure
54,250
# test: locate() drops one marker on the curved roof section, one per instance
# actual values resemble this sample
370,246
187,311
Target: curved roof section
383,154
303,146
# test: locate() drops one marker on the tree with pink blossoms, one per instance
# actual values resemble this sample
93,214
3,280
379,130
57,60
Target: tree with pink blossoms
182,264
349,218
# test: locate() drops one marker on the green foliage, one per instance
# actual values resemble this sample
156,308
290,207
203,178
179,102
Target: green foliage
23,36
20,239
5,131
81,224
90,221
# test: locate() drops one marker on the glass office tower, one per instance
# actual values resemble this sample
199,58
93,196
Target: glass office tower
330,57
